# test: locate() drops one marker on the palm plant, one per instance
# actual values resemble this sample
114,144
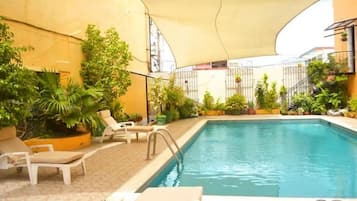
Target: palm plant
65,109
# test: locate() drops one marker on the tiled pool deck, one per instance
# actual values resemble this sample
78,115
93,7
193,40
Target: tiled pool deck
111,167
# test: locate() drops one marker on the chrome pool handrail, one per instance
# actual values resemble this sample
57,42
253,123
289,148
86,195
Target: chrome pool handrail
167,132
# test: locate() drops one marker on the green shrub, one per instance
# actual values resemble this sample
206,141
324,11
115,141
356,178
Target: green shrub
118,112
157,95
65,109
332,92
266,96
218,105
303,100
317,107
136,117
352,104
317,71
175,95
172,115
250,104
235,104
18,86
208,101
188,109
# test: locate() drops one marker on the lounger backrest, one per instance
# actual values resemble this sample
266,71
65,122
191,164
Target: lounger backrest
107,118
10,143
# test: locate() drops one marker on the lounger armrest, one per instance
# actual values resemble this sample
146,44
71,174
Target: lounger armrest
14,153
10,159
49,146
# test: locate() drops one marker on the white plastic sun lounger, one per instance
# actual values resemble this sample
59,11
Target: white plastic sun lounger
125,129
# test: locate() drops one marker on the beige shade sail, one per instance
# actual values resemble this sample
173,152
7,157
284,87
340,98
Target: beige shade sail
50,26
201,31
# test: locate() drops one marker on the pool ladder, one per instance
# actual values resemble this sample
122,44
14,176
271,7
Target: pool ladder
164,133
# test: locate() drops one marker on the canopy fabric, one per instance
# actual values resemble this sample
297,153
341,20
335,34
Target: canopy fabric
201,31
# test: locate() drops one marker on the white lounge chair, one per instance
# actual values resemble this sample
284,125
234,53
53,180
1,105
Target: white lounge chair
14,153
125,129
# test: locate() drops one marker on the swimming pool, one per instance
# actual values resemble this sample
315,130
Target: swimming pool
279,158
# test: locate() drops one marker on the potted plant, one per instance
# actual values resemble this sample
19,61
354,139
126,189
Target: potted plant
344,36
251,109
18,86
300,111
237,79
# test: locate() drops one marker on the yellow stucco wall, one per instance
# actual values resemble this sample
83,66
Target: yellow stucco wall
135,100
53,52
71,18
48,26
346,9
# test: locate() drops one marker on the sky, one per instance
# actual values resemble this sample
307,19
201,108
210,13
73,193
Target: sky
307,30
303,33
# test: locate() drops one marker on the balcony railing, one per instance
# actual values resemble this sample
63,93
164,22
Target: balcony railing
344,61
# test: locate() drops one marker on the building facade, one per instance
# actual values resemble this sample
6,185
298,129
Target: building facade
345,17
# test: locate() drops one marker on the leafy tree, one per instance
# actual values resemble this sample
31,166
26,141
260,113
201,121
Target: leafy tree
18,86
105,61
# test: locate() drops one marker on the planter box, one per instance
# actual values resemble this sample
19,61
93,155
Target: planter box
62,144
214,112
263,111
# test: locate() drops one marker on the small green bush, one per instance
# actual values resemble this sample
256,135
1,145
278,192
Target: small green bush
118,112
208,101
303,100
172,115
352,104
235,104
136,117
218,105
188,109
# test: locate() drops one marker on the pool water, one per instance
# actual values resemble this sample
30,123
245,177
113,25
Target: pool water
280,158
